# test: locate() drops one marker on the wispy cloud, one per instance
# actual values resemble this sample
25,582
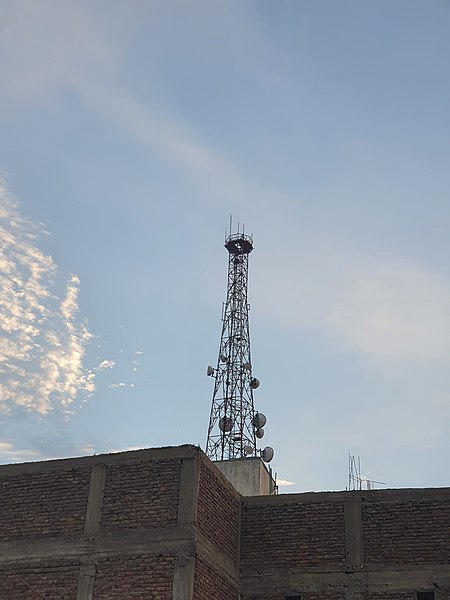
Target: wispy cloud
87,449
89,60
380,307
43,340
395,311
8,453
284,482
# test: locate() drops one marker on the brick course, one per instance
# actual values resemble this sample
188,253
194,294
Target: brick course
141,494
218,512
143,577
209,584
54,581
406,531
292,534
40,504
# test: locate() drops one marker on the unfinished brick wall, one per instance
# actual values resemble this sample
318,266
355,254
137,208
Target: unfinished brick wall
141,494
99,513
56,581
210,584
39,504
218,512
163,524
404,531
290,533
144,577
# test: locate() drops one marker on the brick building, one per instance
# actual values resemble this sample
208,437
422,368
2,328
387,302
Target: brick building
165,524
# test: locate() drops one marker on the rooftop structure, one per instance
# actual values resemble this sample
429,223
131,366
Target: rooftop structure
165,524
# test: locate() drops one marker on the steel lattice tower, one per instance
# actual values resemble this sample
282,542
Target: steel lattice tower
234,426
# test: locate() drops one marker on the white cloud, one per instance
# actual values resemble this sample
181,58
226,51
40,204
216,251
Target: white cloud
395,311
172,140
8,453
48,43
127,449
88,60
42,343
284,482
106,364
117,385
380,307
88,449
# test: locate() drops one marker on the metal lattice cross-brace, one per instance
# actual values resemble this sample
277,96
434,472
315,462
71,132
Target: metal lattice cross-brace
234,426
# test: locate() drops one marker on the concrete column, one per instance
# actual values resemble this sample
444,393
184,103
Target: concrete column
354,546
95,500
188,498
183,578
86,581
86,576
184,573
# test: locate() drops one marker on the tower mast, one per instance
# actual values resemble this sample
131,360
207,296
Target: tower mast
234,426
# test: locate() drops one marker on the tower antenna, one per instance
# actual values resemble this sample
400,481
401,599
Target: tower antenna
234,425
356,481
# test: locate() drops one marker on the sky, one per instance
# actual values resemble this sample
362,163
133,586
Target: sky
131,130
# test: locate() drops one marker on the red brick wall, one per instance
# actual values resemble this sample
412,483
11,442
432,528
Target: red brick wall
141,494
210,585
218,512
49,503
52,580
400,532
145,578
292,534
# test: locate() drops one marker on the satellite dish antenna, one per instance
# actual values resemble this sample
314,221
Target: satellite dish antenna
254,383
259,420
223,358
248,450
225,424
259,433
247,366
267,454
210,371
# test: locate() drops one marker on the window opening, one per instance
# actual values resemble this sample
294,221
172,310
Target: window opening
425,596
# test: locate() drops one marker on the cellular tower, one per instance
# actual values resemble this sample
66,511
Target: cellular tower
234,425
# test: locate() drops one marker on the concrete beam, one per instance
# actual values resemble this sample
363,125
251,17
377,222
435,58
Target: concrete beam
400,495
130,456
355,582
105,545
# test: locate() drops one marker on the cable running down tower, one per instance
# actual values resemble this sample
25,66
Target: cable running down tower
234,425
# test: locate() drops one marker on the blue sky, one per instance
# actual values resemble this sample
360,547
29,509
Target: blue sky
130,131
